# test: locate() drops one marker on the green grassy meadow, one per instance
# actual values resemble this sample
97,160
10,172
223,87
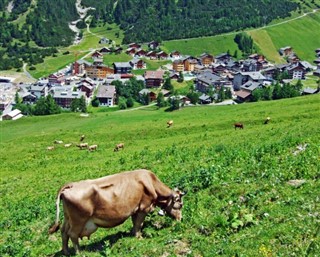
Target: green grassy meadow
238,202
196,46
302,34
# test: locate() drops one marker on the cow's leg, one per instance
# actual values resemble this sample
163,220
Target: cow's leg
74,232
65,237
137,220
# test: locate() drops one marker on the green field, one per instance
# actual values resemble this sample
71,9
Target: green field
238,202
196,46
302,34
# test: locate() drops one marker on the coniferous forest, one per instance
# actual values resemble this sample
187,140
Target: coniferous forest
46,22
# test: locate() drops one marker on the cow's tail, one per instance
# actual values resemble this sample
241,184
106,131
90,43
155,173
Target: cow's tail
56,225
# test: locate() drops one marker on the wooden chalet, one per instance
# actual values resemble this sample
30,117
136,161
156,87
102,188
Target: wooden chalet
154,78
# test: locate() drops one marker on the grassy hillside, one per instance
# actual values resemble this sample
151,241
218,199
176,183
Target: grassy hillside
196,46
238,201
302,34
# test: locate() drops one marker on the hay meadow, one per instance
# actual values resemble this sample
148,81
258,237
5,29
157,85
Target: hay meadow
241,200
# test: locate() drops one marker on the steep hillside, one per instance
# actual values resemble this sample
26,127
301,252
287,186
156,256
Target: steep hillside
143,20
241,199
302,34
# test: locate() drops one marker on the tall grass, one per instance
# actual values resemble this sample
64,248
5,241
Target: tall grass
238,201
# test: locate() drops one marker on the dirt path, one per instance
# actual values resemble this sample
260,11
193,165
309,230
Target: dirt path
82,11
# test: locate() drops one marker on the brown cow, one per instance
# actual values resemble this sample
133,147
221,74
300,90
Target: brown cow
118,146
238,125
169,123
109,201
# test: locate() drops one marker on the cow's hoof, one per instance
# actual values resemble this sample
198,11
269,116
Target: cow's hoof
66,253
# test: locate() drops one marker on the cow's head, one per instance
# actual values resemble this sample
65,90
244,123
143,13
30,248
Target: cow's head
174,205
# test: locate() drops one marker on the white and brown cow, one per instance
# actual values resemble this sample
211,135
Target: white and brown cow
169,123
118,147
109,201
92,148
83,146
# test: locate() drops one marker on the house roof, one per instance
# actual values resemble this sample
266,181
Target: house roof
306,64
222,55
175,52
87,85
205,98
154,74
13,113
208,77
165,91
162,53
81,61
151,53
144,91
250,85
242,94
105,49
89,80
37,87
316,72
68,94
205,55
136,60
295,65
122,64
285,48
106,91
253,75
310,90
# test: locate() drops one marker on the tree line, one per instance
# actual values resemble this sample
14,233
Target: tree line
145,20
48,106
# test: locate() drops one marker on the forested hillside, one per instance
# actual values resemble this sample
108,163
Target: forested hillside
26,25
47,23
164,20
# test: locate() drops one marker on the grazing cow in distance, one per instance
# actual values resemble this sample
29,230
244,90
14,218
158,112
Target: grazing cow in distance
82,138
169,123
109,201
83,146
50,148
118,146
58,142
92,148
267,120
238,125
67,145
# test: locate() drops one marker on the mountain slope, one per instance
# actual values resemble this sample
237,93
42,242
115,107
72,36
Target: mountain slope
238,201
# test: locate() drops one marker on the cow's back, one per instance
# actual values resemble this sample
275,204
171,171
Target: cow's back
111,199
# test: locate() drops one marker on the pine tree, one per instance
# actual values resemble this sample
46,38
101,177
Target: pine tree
82,104
160,100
